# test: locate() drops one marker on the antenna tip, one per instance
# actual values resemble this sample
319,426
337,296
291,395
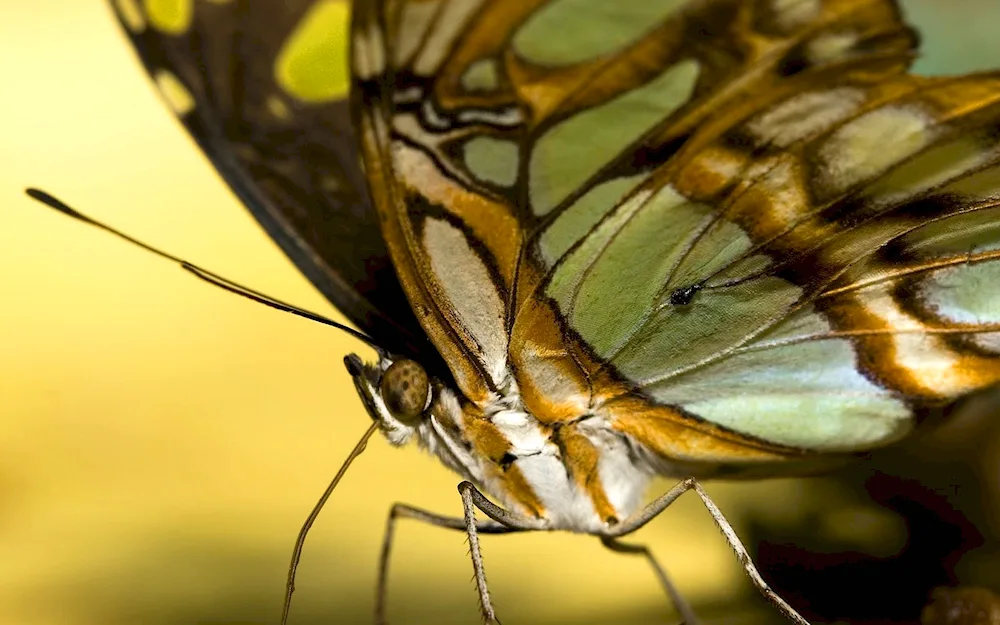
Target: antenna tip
37,194
354,365
52,202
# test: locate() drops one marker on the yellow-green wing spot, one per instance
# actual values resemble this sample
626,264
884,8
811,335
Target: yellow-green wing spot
675,338
481,76
957,236
566,279
984,184
718,248
277,107
964,293
614,286
869,145
582,215
621,287
804,395
806,114
178,97
572,151
133,16
803,324
564,32
170,16
738,270
492,160
312,64
935,166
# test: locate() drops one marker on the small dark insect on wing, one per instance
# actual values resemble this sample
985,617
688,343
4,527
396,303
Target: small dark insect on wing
298,173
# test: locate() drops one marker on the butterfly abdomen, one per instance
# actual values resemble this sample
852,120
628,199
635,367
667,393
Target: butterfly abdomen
578,475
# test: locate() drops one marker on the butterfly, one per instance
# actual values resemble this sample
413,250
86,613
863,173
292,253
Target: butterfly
597,242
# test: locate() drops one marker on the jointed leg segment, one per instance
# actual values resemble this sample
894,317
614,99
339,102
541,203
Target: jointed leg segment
675,596
403,511
661,503
472,499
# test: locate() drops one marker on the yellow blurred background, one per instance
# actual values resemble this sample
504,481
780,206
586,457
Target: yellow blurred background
161,441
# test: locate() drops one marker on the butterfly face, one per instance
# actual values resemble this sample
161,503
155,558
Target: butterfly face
397,394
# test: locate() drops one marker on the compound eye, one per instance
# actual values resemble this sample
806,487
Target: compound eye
404,388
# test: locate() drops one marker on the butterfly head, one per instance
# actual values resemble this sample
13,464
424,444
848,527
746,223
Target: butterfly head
396,392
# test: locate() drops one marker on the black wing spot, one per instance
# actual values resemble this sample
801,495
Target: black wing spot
684,295
795,62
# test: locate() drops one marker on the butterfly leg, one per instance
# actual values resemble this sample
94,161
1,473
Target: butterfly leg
675,596
472,499
403,511
647,514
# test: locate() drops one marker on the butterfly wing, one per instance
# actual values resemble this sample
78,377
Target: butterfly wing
262,87
737,230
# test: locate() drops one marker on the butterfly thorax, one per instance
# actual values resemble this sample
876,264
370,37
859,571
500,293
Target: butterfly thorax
577,474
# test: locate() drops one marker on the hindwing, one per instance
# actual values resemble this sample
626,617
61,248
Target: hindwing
740,228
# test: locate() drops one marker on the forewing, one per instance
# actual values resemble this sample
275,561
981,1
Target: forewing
741,225
262,86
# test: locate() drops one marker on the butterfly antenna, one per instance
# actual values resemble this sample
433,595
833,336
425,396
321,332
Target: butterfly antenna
300,541
208,276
